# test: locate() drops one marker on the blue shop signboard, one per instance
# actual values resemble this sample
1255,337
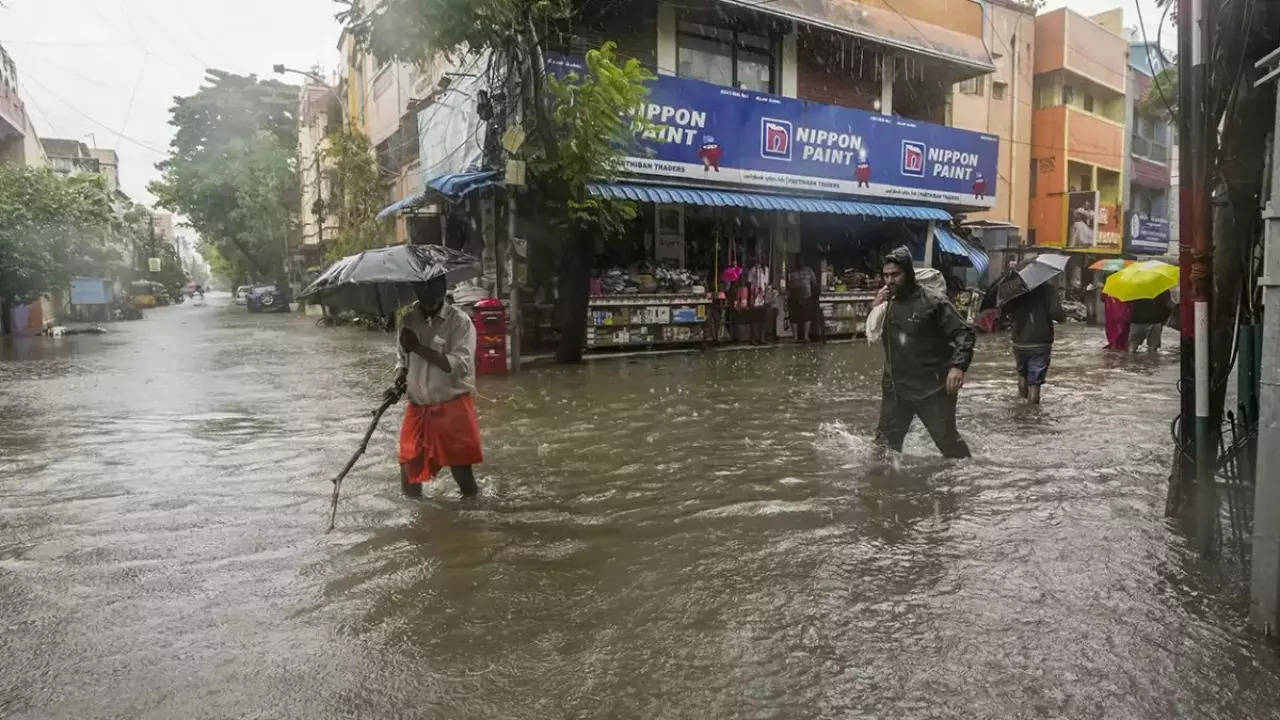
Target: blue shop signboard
88,291
1147,235
706,133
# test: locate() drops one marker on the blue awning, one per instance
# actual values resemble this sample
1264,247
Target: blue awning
762,201
459,185
949,242
450,186
409,203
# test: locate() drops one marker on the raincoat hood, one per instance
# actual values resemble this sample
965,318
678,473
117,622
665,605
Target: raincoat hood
902,258
927,278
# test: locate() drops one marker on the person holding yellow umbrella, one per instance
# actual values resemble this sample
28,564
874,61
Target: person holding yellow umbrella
1146,287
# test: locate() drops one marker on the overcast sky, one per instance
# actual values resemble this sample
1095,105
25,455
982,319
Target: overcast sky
110,68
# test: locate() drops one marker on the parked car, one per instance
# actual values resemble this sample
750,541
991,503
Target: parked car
266,298
240,294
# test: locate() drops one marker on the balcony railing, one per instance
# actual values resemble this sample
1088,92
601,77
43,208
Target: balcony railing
1149,149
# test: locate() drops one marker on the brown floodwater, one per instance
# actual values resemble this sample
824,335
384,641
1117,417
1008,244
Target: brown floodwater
686,536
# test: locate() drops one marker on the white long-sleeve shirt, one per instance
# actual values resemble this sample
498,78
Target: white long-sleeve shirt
427,384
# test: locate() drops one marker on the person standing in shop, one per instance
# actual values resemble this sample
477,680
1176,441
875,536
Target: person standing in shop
927,351
760,298
801,303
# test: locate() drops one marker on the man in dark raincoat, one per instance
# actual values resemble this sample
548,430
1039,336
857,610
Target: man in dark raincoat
927,350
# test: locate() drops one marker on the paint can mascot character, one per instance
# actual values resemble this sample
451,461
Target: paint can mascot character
862,173
710,154
979,186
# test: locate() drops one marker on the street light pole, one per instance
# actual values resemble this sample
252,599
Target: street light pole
281,69
313,77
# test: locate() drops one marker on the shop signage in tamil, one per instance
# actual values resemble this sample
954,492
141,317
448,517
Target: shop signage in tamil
1148,235
705,133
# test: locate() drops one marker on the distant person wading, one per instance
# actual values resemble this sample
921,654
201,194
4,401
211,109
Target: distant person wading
1032,317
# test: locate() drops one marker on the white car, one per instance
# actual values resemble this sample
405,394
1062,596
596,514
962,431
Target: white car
240,296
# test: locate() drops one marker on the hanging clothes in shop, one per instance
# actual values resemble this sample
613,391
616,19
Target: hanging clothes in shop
758,281
761,298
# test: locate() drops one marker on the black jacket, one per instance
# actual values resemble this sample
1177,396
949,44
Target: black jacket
924,337
1154,311
1033,315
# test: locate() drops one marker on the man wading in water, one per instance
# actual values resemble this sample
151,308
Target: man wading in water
1033,315
436,367
927,349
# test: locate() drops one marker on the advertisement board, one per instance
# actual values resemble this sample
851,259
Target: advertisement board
1110,228
1082,219
1147,235
704,133
88,291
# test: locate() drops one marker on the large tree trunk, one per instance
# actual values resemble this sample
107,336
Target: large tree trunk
6,316
576,265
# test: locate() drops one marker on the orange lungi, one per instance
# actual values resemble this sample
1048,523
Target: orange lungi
434,436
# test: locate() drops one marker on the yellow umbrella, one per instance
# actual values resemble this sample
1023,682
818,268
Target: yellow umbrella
1141,281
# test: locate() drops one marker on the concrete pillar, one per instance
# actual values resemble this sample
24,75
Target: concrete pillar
666,39
928,245
789,85
1265,575
886,84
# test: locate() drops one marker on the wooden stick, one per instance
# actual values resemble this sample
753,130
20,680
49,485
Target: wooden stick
364,444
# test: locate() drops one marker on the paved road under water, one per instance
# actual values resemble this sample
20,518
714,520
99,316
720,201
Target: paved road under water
691,536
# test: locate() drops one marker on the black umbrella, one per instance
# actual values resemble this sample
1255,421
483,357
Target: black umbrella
379,282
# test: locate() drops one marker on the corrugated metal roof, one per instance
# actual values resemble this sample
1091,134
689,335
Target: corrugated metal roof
887,27
949,242
453,186
762,201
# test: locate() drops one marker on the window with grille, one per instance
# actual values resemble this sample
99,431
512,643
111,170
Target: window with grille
972,86
726,56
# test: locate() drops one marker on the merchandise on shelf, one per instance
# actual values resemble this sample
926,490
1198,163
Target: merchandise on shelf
648,279
642,320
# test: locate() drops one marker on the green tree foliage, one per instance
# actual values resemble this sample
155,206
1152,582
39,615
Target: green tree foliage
219,266
413,30
171,274
53,229
593,113
233,171
358,194
1162,97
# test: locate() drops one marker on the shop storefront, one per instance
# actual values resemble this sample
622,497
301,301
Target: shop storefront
706,265
739,195
738,189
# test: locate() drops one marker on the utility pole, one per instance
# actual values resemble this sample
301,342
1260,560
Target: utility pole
1265,575
1195,259
151,244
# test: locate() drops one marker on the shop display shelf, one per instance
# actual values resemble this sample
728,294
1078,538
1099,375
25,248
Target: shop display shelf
642,299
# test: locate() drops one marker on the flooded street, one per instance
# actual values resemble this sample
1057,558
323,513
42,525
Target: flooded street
688,536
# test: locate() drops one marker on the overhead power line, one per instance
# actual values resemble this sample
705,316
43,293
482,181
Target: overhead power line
95,121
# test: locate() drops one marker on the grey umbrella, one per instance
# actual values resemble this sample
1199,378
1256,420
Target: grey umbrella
379,282
1030,275
1042,268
